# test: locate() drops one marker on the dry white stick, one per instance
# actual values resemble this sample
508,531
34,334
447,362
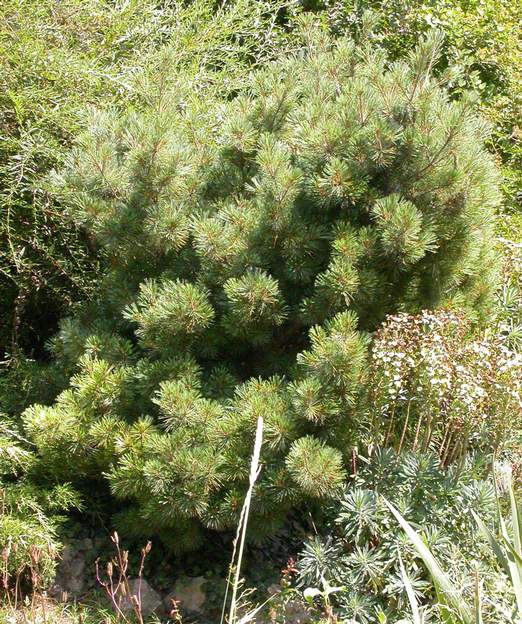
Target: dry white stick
243,521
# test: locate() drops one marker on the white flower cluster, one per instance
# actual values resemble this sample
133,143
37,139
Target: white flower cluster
454,384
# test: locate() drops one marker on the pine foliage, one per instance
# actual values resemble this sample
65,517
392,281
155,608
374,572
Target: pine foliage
252,242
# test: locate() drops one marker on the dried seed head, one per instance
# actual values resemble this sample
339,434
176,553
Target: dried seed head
35,553
174,610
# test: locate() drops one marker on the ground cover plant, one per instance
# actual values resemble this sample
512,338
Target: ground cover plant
451,604
366,554
509,317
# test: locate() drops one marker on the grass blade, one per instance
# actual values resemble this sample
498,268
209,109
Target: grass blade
493,543
242,528
478,600
443,583
516,522
414,605
515,548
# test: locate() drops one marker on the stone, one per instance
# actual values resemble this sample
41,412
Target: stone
150,599
71,572
75,568
188,591
100,542
296,612
86,544
76,586
68,552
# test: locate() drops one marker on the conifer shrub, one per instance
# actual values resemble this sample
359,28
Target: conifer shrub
481,36
30,516
54,59
252,242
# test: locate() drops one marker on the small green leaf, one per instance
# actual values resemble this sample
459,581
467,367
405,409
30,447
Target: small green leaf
411,594
478,601
493,543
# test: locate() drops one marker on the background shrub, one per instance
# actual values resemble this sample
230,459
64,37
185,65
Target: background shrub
479,35
29,519
56,61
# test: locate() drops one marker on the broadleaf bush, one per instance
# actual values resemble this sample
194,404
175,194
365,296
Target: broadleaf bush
435,383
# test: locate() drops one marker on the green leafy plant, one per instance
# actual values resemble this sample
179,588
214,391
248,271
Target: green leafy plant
509,316
323,593
449,599
506,549
435,383
364,549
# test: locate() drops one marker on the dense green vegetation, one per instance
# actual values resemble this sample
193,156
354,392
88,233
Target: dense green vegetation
364,553
57,60
248,244
481,36
30,517
305,212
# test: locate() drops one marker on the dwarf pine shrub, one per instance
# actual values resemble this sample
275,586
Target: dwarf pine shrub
251,243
